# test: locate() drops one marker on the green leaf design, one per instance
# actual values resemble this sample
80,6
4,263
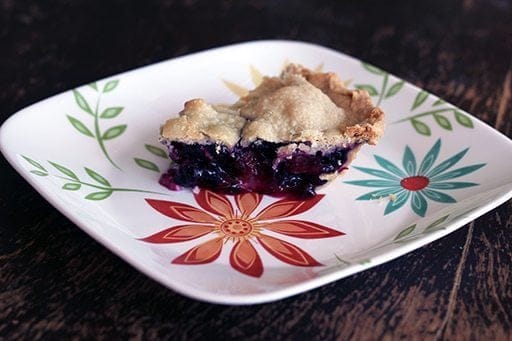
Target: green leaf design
389,166
96,177
395,88
64,170
80,126
430,158
438,102
95,130
400,199
438,196
447,164
111,112
34,163
113,132
38,172
378,173
436,223
104,189
369,88
463,119
146,164
405,232
98,195
156,151
111,85
70,186
419,204
82,103
379,194
420,98
443,121
420,127
409,161
373,69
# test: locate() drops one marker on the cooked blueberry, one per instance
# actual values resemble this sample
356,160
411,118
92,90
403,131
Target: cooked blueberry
291,181
253,168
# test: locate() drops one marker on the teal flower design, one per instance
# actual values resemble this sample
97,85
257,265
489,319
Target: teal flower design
426,182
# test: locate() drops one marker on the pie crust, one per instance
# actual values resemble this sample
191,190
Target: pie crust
301,129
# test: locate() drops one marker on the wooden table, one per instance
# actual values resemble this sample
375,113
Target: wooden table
56,282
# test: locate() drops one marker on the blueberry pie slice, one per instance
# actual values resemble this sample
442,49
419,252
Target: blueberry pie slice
288,136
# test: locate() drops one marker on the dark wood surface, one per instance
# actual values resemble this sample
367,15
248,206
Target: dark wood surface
57,282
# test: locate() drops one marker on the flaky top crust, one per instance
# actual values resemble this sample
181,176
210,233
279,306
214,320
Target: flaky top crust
201,122
298,106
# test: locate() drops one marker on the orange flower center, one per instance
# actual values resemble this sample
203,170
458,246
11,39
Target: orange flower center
236,227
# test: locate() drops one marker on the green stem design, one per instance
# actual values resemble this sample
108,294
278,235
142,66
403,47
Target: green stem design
425,113
340,260
73,183
104,188
383,90
97,133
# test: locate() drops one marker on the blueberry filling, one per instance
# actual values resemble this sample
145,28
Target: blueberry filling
254,168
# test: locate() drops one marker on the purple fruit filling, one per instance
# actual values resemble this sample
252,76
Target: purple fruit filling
255,168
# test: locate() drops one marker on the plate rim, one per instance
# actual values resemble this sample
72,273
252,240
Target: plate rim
251,298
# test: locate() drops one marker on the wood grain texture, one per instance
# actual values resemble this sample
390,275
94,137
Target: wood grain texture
57,283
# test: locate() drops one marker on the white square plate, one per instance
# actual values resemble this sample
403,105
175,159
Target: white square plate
93,153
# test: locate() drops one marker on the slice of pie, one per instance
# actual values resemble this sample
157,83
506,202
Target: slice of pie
288,136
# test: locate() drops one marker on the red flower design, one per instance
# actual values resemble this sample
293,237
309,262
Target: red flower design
218,216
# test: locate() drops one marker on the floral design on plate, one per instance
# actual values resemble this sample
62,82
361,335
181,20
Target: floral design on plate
98,116
150,165
385,91
438,110
239,225
418,183
73,183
